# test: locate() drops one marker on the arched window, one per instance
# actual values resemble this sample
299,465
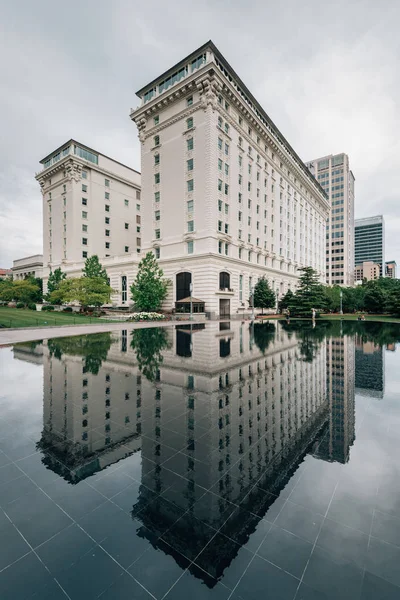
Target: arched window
183,281
224,280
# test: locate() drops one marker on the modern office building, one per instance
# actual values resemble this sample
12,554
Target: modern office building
91,205
391,269
368,270
226,198
369,368
370,241
334,174
31,266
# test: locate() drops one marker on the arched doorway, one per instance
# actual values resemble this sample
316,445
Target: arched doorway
183,281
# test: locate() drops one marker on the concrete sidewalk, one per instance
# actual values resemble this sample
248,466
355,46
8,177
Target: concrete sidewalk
13,336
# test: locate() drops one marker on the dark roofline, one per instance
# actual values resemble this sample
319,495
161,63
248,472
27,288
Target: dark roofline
210,44
72,141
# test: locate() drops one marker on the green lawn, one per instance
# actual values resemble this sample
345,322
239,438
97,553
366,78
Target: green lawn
20,317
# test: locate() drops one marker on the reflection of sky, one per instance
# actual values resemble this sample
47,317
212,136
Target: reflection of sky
22,388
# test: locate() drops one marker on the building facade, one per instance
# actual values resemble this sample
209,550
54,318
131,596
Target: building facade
31,266
91,205
367,270
227,200
5,273
370,241
391,269
334,174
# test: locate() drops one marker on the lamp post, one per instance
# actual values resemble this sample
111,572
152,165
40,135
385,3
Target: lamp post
341,301
252,303
191,304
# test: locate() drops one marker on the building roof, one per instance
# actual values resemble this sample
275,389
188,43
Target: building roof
190,299
72,141
210,44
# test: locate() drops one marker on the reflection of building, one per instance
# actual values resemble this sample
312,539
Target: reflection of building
242,416
31,352
340,432
370,241
391,269
369,373
31,266
335,176
367,270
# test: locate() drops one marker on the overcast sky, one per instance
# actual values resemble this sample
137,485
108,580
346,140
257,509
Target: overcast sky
327,73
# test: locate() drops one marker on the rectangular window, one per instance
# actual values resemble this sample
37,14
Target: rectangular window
190,206
157,252
226,169
190,185
84,174
126,225
126,202
138,207
84,241
157,234
84,227
226,208
220,185
157,215
107,195
190,226
156,119
137,194
107,232
226,189
220,245
226,149
157,178
219,225
108,245
84,254
190,164
156,159
190,247
84,214
189,101
124,287
189,123
226,228
190,144
157,197
220,143
220,164
107,182
126,248
84,187
107,220
156,140
220,205
84,201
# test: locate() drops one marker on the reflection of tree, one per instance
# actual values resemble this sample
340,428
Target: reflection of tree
264,334
93,348
148,344
309,337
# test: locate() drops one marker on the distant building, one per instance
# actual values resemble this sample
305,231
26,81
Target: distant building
370,241
31,266
91,205
5,273
391,269
334,175
367,270
369,368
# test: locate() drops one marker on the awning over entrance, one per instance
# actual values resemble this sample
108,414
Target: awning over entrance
184,305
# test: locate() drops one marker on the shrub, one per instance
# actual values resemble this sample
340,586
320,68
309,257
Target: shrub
68,309
147,316
32,306
20,305
47,307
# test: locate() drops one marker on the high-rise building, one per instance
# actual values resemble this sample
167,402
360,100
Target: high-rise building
91,205
368,270
391,269
227,199
334,174
370,241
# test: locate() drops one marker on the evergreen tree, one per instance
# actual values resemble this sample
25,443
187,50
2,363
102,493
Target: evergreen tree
149,289
309,294
94,269
263,296
53,283
286,302
264,334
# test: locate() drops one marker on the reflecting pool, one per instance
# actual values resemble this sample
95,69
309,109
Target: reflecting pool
218,460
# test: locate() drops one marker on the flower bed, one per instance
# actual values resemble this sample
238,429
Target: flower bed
147,316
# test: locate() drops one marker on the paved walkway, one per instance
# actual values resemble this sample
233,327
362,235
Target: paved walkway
13,336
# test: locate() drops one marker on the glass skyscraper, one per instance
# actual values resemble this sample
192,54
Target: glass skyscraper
370,241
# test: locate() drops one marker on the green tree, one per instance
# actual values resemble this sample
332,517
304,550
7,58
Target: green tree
374,299
93,269
286,302
309,294
149,289
53,283
86,291
263,296
19,291
148,344
93,349
39,283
